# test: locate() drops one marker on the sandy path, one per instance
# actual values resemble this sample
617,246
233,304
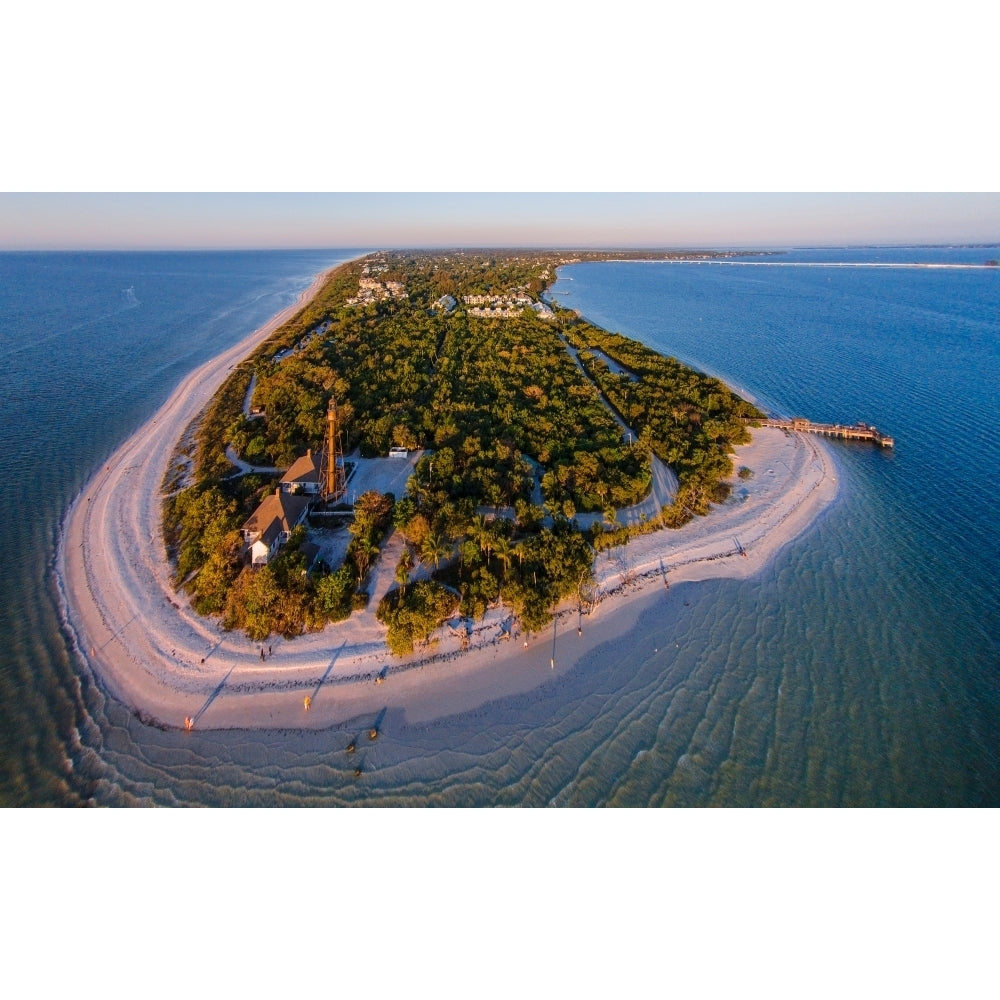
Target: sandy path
156,655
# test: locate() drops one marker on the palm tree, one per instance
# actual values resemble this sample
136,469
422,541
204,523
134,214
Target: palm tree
478,531
364,555
403,568
518,550
489,542
435,548
504,552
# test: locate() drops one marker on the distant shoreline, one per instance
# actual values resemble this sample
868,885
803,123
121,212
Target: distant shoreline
155,654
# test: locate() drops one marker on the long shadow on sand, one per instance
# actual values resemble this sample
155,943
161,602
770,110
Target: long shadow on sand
213,695
322,680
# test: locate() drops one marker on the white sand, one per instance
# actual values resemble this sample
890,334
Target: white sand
156,655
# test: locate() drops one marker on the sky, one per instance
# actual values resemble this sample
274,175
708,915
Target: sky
639,129
60,221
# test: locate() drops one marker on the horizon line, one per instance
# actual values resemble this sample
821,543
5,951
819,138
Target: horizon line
530,247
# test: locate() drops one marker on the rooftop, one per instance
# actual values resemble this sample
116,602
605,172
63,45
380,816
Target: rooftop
303,470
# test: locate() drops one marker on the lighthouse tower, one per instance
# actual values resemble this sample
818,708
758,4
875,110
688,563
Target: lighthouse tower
333,485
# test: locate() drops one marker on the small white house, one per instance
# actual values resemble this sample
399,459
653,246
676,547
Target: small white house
303,477
271,524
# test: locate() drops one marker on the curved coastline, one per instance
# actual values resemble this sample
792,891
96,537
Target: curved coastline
156,655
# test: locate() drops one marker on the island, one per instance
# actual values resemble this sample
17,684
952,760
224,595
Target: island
398,492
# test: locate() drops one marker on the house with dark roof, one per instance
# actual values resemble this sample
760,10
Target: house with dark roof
271,524
303,476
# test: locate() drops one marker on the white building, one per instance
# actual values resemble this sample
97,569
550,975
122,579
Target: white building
271,524
303,476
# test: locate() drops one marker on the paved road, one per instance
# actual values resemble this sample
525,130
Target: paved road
664,486
246,467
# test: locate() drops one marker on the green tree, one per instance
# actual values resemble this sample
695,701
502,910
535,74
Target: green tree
332,596
217,575
435,548
403,568
503,549
414,616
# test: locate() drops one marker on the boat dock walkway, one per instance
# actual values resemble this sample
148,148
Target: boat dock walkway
856,432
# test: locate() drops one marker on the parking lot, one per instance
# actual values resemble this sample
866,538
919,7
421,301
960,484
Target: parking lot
387,475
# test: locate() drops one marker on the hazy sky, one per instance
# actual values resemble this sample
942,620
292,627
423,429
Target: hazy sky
147,221
451,97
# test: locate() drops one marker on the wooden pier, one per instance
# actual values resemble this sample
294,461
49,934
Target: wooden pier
856,432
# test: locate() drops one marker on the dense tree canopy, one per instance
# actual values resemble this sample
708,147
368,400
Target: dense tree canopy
522,419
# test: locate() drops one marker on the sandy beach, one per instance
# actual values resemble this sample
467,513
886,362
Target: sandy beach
155,654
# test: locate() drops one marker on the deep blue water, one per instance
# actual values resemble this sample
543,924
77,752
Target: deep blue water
890,607
861,668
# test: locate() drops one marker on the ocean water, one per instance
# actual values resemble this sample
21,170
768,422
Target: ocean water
861,668
91,344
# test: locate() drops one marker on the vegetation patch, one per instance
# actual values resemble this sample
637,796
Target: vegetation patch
528,416
412,615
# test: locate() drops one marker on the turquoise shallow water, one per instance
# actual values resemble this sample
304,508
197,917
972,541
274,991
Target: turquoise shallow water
861,668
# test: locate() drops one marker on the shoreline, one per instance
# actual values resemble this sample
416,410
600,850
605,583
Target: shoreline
153,653
735,387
